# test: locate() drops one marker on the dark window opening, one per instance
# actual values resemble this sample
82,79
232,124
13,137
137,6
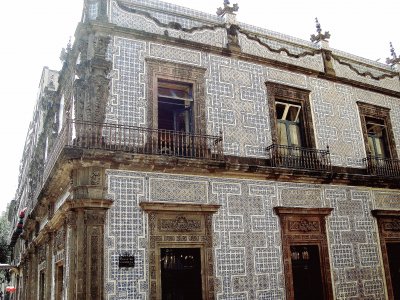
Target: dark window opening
41,285
59,282
289,124
377,138
181,273
175,106
306,269
393,252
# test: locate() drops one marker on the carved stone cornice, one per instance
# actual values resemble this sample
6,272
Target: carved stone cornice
179,224
179,207
280,210
304,225
392,225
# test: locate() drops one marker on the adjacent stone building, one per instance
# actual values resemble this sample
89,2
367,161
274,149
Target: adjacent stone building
184,155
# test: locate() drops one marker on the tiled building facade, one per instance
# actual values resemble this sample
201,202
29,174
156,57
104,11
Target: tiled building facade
218,178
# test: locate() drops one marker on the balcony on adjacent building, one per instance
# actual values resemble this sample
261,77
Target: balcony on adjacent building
291,157
382,166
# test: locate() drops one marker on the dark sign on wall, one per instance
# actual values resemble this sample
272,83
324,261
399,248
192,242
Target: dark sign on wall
126,261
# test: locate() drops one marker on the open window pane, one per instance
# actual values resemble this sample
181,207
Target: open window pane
282,135
175,106
288,117
376,137
174,90
294,132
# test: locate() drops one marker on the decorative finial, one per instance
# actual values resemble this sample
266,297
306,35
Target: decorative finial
227,8
65,51
319,37
394,60
69,45
318,26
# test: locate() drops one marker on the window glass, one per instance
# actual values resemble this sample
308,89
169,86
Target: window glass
376,137
288,116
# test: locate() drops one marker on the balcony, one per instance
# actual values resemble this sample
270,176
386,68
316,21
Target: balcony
141,140
380,166
131,139
291,157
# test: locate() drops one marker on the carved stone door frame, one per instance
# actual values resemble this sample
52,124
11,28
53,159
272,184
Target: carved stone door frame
305,226
173,225
389,231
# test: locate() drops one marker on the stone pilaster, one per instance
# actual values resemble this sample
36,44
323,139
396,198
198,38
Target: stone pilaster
49,265
94,225
80,255
70,251
33,285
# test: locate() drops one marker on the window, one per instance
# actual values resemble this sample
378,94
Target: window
41,285
290,116
175,106
377,131
288,124
177,97
59,282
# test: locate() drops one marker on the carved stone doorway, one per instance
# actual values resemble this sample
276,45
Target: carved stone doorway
305,253
389,235
177,230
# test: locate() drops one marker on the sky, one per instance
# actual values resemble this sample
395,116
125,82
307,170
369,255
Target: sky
34,32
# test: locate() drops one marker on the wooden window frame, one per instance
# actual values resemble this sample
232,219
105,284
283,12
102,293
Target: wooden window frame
163,70
305,226
286,94
366,111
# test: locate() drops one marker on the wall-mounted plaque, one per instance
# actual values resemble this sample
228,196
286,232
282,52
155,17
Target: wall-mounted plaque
126,261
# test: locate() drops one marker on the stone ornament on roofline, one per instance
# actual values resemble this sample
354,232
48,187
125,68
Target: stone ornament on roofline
394,60
320,36
227,9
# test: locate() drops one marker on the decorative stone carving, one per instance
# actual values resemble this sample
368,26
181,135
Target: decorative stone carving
232,34
59,240
394,59
95,177
193,227
392,225
304,225
320,36
42,253
179,224
227,9
70,219
94,217
88,183
91,90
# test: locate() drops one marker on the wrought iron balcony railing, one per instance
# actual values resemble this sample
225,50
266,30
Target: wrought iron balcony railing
136,140
141,140
299,158
381,166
